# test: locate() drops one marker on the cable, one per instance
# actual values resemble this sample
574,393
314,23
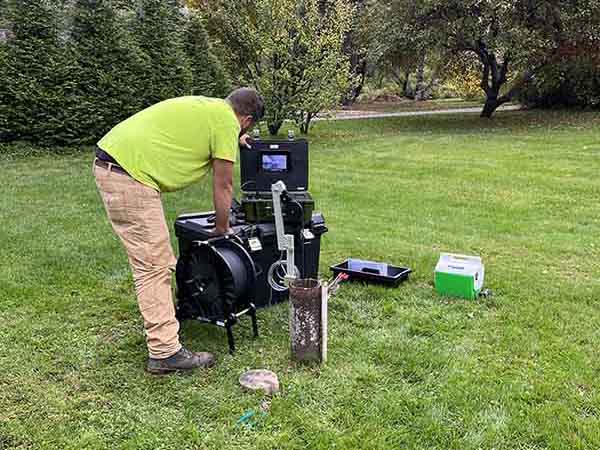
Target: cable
247,182
279,269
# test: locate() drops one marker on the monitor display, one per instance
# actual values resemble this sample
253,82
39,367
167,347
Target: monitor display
269,161
274,162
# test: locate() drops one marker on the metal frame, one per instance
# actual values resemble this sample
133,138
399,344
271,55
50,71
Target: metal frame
285,242
231,320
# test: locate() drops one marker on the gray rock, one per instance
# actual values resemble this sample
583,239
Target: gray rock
257,380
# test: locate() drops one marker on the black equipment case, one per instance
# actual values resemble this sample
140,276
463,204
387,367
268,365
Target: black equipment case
197,227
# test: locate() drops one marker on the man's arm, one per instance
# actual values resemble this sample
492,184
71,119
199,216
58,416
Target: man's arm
222,193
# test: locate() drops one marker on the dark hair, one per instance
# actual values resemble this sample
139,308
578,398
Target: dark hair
247,102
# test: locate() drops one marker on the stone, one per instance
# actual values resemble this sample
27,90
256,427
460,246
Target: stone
257,380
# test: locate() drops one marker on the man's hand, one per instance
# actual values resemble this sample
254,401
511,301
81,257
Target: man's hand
246,140
216,232
222,193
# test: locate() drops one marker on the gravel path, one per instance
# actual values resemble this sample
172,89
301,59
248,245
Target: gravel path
350,115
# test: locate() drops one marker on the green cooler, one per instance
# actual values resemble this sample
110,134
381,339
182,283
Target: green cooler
459,276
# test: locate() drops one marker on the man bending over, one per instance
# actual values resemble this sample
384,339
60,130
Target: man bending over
164,148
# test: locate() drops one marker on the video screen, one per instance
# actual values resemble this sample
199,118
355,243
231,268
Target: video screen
275,163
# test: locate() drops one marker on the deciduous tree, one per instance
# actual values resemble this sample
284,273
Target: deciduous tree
290,50
508,38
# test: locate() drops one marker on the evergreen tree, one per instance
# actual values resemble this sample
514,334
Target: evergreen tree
4,131
208,74
110,69
160,35
36,90
3,14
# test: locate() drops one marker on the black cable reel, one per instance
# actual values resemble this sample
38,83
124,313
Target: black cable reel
216,283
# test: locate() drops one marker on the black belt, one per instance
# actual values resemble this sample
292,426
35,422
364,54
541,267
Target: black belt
106,161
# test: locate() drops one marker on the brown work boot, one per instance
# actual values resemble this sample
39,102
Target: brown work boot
182,361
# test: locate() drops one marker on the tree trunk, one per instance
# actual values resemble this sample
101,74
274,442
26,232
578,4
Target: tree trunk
399,79
406,91
274,127
361,71
420,86
305,125
494,76
491,104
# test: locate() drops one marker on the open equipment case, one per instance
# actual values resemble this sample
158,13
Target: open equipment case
221,279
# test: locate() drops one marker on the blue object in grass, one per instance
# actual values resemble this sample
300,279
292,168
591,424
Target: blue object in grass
251,418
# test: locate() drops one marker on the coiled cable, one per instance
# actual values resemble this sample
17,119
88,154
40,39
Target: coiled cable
278,274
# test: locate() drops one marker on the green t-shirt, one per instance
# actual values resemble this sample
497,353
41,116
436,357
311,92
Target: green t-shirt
170,145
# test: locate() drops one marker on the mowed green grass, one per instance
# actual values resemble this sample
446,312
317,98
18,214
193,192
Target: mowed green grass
407,369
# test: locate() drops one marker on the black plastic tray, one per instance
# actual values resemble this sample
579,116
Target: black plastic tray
394,276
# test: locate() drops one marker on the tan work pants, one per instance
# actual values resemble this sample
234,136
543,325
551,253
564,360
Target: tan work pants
137,217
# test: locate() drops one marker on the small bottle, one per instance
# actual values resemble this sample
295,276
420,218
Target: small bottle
291,135
256,134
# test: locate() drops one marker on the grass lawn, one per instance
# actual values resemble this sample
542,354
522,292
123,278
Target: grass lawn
407,369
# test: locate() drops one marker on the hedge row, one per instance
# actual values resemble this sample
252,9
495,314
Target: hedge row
75,69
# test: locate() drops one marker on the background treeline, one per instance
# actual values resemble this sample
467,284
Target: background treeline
71,69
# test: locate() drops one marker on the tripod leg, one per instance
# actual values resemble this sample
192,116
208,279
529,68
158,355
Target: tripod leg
254,321
230,340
